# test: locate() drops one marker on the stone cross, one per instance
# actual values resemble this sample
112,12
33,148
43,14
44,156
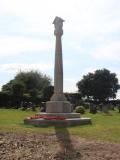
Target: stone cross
58,105
58,69
58,102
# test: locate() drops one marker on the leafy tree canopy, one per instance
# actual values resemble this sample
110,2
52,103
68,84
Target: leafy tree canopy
100,85
31,82
48,92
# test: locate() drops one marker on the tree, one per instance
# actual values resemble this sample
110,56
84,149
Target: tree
4,99
100,85
33,80
26,86
47,93
17,93
7,87
17,88
28,82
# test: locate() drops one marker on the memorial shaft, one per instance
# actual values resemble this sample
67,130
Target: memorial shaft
58,102
58,70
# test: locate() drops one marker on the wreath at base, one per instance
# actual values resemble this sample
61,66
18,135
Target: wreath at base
47,117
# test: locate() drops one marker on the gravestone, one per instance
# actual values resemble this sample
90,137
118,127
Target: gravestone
58,104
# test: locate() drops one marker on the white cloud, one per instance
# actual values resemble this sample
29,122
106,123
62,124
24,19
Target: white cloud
70,85
89,70
86,21
16,67
110,51
16,45
84,18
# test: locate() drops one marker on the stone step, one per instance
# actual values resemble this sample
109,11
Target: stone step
65,115
61,123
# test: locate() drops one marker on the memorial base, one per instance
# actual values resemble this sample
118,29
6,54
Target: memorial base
58,107
65,115
72,119
61,123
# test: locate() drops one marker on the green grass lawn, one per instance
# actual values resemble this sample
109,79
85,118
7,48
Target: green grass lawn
104,127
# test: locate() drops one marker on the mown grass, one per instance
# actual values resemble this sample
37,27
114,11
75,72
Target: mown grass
104,127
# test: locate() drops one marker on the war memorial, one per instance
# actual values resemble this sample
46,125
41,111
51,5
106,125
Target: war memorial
58,109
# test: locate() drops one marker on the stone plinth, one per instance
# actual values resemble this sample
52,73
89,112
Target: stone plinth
65,115
61,123
72,119
58,107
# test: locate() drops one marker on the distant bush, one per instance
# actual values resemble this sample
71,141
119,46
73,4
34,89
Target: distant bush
86,105
4,99
80,109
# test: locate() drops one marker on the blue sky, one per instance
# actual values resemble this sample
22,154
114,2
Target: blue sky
91,38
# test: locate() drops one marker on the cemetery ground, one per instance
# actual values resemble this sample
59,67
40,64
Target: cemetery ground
99,141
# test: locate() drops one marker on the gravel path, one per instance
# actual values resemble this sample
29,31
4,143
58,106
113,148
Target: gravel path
34,146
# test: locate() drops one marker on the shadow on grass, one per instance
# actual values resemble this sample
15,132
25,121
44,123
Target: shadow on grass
67,150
